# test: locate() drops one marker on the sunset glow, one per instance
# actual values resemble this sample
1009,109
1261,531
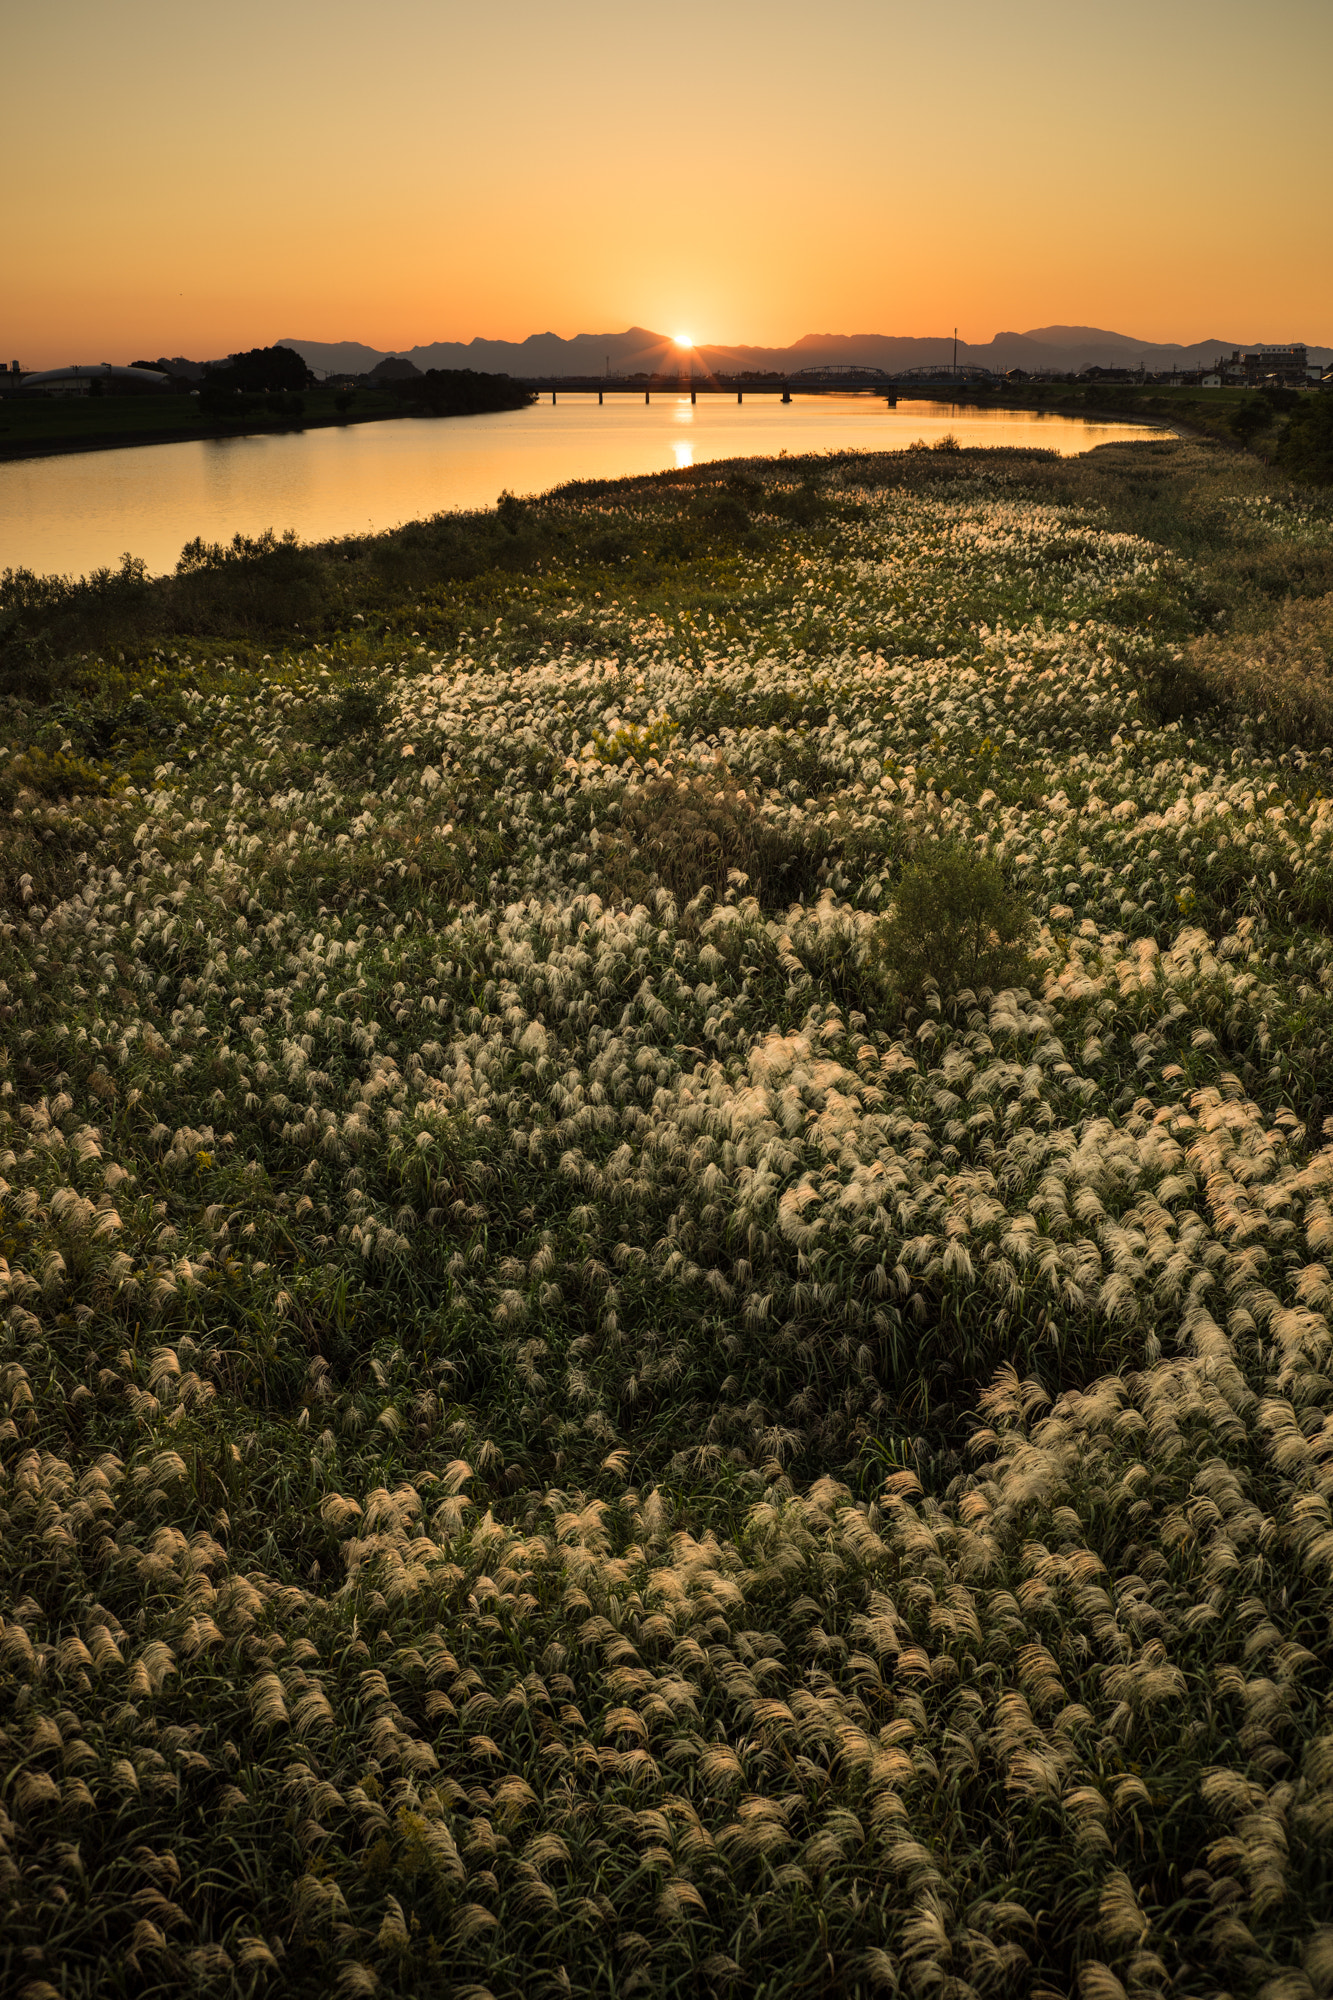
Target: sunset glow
682,340
1074,188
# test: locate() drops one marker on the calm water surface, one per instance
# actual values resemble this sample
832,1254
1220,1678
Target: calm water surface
69,515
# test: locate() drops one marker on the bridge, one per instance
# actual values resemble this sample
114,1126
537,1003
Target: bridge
841,378
941,377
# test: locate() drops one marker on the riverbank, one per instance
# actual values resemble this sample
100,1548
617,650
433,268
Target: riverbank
262,589
665,1208
1187,410
42,427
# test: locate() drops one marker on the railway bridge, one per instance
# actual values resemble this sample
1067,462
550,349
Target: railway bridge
840,378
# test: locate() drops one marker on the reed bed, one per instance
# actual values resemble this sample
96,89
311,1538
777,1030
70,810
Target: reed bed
576,1420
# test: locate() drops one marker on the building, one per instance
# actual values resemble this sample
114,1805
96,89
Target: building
1288,365
93,378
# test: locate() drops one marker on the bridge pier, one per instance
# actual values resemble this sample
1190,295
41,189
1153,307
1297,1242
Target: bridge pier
553,396
599,399
786,392
694,395
740,395
646,394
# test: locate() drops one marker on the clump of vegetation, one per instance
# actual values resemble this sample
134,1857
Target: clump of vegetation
1305,448
956,925
265,383
457,392
1250,418
705,831
1283,672
259,371
362,712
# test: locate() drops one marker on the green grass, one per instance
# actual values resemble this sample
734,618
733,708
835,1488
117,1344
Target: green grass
569,1421
1209,413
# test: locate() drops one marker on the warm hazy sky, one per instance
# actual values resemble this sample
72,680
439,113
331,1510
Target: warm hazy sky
201,177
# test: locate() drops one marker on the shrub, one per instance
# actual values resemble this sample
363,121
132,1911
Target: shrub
724,514
1306,446
956,924
255,583
41,616
1251,417
511,512
803,505
50,774
362,712
199,554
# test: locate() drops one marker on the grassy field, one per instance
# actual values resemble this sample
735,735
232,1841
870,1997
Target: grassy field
577,1417
1166,402
1207,412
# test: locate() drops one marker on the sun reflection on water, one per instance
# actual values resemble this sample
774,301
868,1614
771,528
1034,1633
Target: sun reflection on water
76,512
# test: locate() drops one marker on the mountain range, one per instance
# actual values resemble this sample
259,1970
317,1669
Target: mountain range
637,350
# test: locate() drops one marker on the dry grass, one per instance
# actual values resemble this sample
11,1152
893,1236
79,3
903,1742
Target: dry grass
705,831
1284,673
557,1448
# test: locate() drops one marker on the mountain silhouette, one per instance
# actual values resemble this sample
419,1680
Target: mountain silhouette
638,350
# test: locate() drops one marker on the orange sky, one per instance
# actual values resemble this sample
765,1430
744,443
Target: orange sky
205,179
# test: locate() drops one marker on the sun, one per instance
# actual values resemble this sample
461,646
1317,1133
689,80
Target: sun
683,340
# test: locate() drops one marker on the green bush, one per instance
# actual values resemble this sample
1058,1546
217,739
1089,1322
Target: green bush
1306,446
511,512
956,924
362,712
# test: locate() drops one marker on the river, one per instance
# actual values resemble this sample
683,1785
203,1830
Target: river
71,514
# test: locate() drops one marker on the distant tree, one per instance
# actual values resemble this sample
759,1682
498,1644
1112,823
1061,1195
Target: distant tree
261,369
458,392
395,368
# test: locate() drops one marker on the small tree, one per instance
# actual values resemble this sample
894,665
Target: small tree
956,924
